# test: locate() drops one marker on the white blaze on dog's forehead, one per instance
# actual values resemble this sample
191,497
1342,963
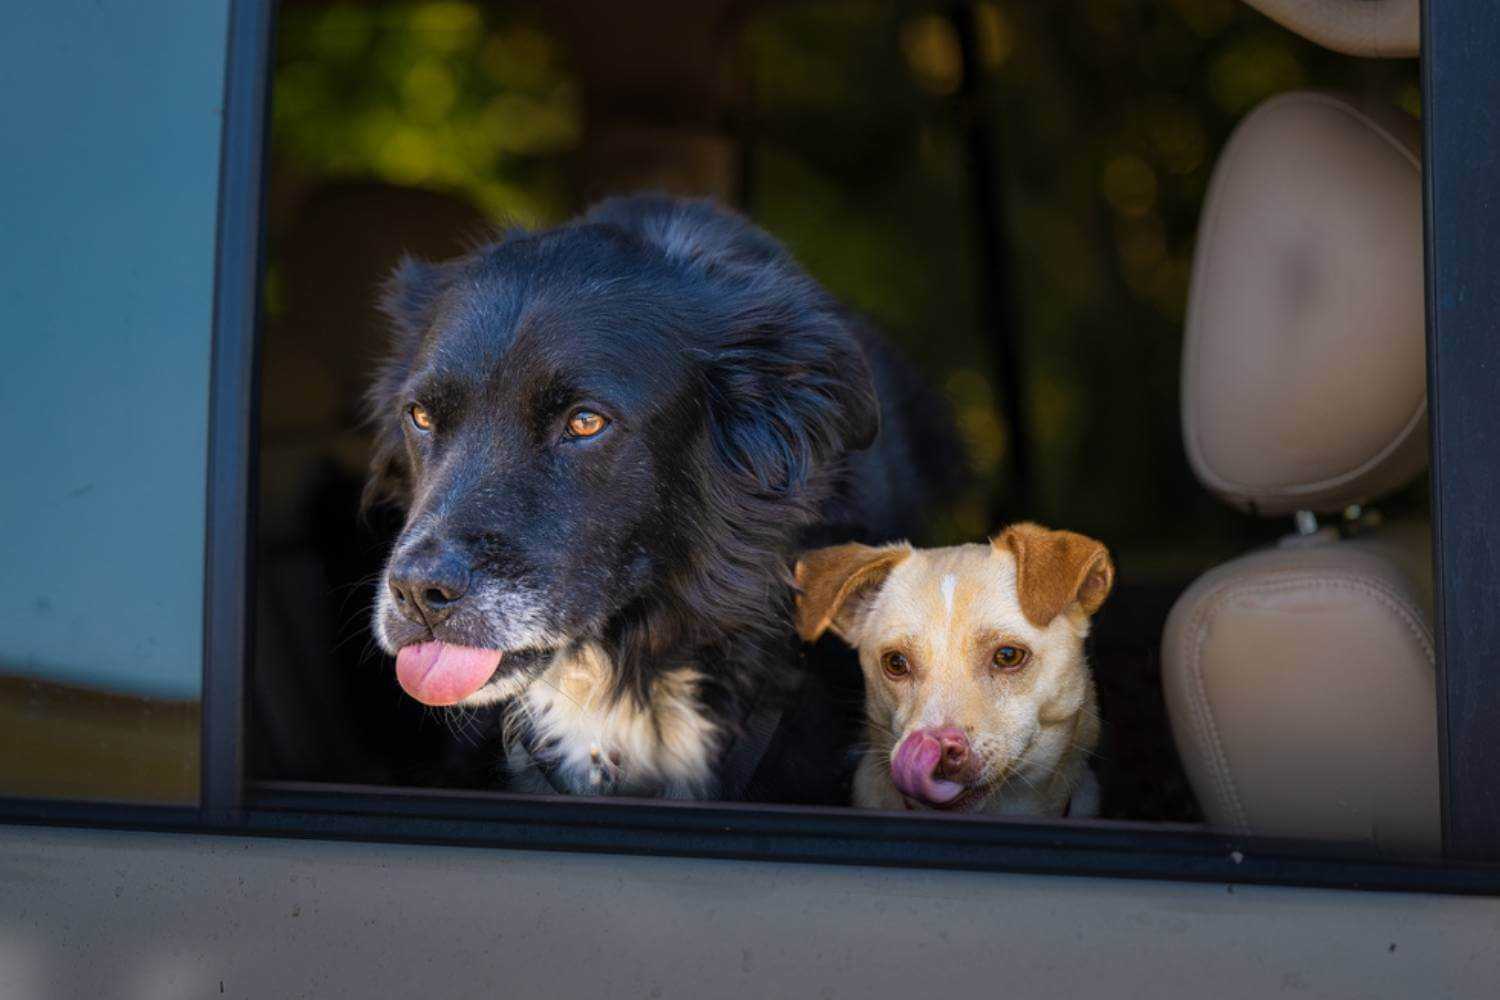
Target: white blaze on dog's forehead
950,583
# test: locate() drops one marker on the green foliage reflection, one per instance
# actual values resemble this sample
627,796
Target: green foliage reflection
450,96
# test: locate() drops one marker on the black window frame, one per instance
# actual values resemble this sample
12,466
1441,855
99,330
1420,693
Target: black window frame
1461,83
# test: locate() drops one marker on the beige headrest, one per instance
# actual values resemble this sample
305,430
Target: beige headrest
1353,27
1304,380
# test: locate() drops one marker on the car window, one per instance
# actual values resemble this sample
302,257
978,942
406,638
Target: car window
106,271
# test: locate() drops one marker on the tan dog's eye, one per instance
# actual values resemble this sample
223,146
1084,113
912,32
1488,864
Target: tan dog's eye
1010,657
895,664
585,424
420,418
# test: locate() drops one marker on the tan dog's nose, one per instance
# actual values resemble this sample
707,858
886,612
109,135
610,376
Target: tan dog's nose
954,762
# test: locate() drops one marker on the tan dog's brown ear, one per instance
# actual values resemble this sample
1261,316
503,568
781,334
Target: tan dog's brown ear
834,585
1054,569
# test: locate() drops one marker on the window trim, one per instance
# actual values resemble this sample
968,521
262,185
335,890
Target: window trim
1460,91
234,396
1464,488
751,832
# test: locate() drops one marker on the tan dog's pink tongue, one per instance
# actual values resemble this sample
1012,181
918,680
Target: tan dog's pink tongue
440,673
914,770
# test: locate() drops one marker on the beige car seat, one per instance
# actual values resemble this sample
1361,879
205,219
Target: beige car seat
1300,679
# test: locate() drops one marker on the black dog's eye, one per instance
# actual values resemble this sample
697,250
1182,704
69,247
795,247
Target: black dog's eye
585,424
420,418
895,664
1010,657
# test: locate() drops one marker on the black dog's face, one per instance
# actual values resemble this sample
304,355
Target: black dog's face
557,421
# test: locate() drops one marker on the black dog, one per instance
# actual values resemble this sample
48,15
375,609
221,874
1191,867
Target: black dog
611,439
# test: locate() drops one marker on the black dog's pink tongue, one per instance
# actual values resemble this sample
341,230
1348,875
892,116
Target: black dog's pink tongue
440,673
913,769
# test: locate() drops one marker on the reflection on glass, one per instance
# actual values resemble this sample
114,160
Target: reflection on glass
108,199
60,740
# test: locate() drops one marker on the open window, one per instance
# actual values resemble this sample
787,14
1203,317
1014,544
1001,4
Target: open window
1015,194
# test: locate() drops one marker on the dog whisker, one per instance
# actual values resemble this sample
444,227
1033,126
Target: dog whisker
361,630
872,721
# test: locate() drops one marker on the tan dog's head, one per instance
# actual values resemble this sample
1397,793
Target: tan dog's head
973,655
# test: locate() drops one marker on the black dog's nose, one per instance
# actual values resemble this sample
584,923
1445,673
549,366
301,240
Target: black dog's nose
427,585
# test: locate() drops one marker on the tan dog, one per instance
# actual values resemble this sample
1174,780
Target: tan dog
977,694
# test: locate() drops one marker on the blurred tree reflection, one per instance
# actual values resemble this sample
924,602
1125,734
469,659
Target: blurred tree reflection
450,96
1107,115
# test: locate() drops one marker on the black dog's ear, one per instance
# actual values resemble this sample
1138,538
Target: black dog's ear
408,296
790,387
407,300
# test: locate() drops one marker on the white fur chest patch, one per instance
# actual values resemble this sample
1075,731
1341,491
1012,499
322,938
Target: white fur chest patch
594,743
